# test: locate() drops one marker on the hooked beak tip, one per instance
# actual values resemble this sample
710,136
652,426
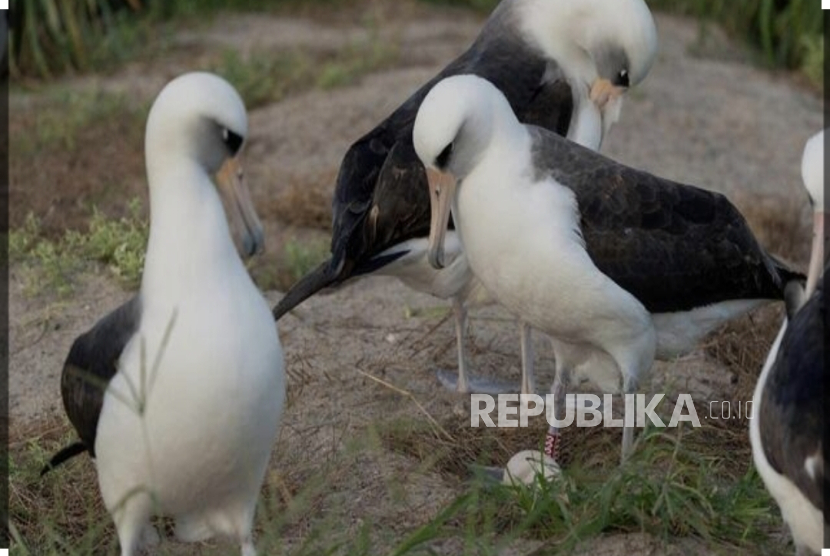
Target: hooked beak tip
254,242
436,258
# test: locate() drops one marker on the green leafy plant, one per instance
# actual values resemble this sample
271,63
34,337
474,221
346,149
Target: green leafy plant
49,37
51,264
786,33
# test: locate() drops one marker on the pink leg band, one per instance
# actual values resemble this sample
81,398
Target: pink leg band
551,440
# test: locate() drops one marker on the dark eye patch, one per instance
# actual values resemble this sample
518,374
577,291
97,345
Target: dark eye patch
232,140
443,158
622,79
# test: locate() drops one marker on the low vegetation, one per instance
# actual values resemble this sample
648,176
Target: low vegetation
787,34
119,245
49,264
63,118
50,37
678,484
266,77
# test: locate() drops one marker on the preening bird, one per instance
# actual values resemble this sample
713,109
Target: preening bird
618,266
562,65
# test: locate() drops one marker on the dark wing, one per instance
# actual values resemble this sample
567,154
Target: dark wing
399,211
397,207
356,183
792,404
375,207
91,364
674,247
381,195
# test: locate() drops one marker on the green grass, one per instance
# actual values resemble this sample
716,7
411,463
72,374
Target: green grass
61,117
262,77
49,37
52,264
54,37
786,34
678,486
356,61
62,513
266,77
294,261
36,529
813,62
665,490
301,258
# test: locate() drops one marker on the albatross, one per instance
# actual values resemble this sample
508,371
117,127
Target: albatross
177,394
562,65
787,425
618,266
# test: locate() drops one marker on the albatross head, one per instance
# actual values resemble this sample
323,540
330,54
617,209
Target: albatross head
199,118
812,172
453,128
603,46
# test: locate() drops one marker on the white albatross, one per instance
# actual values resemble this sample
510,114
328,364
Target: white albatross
787,428
177,394
616,265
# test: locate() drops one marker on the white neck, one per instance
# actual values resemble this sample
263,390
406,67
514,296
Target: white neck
552,25
189,237
587,124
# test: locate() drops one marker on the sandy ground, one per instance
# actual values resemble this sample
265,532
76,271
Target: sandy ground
704,116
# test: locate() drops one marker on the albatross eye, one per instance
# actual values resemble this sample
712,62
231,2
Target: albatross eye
622,78
232,140
442,159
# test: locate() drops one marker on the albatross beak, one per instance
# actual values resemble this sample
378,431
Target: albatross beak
244,222
604,92
608,98
441,192
817,253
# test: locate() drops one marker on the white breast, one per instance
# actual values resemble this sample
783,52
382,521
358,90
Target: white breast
212,403
805,520
521,239
193,417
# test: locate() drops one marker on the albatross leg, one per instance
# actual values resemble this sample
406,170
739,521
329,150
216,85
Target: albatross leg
629,387
462,382
528,382
559,391
525,466
132,523
460,312
236,520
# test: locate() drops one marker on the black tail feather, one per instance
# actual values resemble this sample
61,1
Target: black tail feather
376,263
65,454
319,278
